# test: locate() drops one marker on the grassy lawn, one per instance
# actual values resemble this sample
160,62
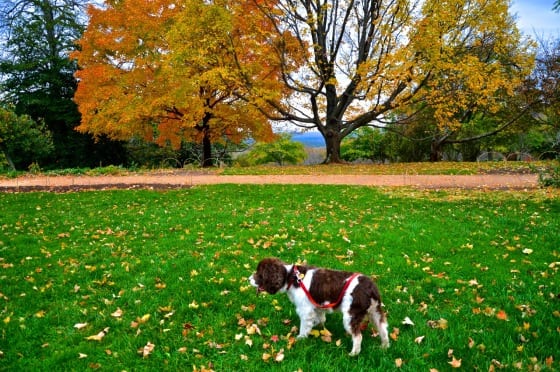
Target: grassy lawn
144,280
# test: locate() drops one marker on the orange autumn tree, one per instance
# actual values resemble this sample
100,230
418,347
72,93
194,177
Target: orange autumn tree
179,71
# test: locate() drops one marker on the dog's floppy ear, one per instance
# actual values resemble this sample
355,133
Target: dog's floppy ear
271,275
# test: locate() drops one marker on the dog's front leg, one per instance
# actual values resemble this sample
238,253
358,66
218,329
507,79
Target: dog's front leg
307,318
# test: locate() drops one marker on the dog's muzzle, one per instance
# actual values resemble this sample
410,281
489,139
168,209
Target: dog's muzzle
254,284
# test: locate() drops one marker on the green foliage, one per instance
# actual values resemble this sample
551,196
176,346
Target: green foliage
549,176
22,140
474,271
364,144
37,76
282,151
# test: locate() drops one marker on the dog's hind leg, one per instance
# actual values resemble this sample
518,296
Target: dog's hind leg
377,316
352,325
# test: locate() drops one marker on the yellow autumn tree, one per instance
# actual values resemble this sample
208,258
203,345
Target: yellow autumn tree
371,59
178,71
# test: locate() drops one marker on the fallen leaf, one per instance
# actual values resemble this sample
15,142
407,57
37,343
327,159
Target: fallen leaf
117,313
80,325
99,336
455,363
146,350
527,251
252,329
398,362
279,356
501,315
82,356
419,339
326,335
407,321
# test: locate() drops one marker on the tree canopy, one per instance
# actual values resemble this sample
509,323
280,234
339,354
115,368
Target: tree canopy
37,75
172,71
369,58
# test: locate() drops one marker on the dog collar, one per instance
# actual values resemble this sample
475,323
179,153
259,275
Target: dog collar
295,277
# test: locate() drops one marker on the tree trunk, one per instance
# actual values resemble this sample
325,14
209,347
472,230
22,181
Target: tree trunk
332,142
206,149
435,151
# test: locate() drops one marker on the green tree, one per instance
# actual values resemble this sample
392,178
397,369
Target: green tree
37,75
22,140
281,151
364,144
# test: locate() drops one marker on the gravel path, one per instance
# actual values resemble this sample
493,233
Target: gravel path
185,180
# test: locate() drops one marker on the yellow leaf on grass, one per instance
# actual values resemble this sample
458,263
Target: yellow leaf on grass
326,335
117,313
99,336
40,314
398,362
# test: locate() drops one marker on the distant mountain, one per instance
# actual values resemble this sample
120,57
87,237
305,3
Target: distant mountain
309,139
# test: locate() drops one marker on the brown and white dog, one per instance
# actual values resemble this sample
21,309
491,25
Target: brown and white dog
316,291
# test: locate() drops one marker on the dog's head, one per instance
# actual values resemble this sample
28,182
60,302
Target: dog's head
271,276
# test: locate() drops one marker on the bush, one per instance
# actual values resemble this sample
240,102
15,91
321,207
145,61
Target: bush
550,176
282,151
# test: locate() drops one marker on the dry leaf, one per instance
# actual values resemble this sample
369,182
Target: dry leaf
280,356
82,356
407,321
398,362
395,334
326,335
118,313
455,363
99,336
419,339
80,325
501,315
146,350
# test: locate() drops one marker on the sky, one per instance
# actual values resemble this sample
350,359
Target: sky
535,18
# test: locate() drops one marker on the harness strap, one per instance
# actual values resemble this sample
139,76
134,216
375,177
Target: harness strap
330,305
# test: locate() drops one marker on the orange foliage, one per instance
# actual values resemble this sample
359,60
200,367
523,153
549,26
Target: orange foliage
174,71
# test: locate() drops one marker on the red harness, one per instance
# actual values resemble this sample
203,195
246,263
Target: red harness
299,281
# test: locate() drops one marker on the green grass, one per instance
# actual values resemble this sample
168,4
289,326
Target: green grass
175,264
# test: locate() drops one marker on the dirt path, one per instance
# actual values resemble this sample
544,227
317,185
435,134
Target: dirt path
185,180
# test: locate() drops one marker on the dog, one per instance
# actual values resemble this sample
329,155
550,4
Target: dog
317,291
